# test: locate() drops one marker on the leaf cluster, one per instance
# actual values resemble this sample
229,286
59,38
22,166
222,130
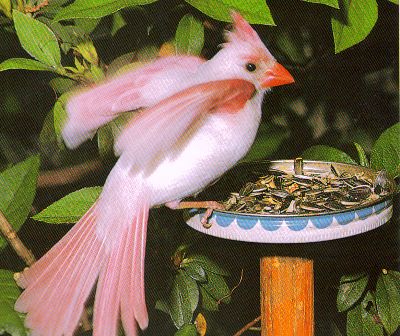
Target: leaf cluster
385,153
199,284
372,309
18,185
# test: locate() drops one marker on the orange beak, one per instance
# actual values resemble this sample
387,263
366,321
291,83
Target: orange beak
276,76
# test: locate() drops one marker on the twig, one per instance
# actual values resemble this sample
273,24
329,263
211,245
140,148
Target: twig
67,175
33,9
248,326
11,236
230,294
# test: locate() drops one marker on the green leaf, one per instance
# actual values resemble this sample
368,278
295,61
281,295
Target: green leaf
60,117
362,157
189,37
207,301
396,276
180,303
353,22
254,11
96,8
206,263
48,143
8,287
107,134
162,306
350,290
24,64
62,85
68,36
70,208
11,322
217,287
105,141
394,1
195,271
37,39
354,321
361,319
118,23
268,140
330,3
326,153
87,25
18,188
187,330
193,291
53,7
388,302
5,7
369,314
386,151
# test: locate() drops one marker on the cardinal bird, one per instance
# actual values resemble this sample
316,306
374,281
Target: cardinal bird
198,119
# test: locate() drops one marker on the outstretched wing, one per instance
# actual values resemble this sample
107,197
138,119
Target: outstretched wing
158,128
95,106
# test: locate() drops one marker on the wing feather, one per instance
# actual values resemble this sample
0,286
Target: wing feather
158,128
95,106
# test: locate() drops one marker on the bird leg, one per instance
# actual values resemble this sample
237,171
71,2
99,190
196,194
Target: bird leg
210,206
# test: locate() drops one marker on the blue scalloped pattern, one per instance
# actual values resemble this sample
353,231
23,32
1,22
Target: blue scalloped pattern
379,207
364,213
382,206
346,217
223,219
270,224
246,223
297,224
322,222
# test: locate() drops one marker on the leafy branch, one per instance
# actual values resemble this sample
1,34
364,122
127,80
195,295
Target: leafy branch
11,236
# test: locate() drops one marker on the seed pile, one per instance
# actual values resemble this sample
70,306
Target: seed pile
284,193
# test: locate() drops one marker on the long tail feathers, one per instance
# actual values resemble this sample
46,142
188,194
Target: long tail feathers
58,285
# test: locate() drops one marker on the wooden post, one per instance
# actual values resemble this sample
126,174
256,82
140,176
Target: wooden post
287,296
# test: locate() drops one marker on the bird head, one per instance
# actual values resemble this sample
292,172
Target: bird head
245,56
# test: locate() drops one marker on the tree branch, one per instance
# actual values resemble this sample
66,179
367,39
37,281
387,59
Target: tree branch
11,236
248,326
67,175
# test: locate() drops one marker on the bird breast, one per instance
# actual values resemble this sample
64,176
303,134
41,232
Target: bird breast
208,149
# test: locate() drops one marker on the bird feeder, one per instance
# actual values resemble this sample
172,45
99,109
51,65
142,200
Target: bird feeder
287,282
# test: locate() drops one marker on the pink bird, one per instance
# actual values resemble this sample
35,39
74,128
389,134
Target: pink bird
198,119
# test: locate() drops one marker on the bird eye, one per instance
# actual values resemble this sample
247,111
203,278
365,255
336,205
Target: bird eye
251,67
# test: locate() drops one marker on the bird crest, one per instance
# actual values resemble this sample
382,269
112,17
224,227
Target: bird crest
243,36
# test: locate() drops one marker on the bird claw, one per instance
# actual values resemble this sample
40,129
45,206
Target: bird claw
206,216
210,206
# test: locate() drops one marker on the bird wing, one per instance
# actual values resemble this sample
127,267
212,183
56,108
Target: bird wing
155,130
95,106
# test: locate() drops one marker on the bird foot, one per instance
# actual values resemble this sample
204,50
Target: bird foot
210,206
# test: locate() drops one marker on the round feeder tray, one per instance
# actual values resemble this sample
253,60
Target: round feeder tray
287,309
298,228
